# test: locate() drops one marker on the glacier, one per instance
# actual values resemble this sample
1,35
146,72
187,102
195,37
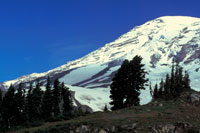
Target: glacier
158,41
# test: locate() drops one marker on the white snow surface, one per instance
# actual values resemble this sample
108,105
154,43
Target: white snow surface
82,73
157,41
95,98
99,97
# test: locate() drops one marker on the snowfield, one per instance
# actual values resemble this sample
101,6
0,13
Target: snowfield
95,98
157,41
99,97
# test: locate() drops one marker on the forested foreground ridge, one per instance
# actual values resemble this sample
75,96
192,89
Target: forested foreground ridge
26,107
171,100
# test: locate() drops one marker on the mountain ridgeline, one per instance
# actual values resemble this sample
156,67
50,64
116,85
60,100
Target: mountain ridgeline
116,77
19,108
158,42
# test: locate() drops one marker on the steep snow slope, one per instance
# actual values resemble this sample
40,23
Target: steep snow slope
157,41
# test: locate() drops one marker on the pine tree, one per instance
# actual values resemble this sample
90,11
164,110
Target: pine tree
119,86
180,75
47,101
172,87
67,100
106,108
136,81
36,99
186,81
155,92
1,99
167,85
127,83
151,91
9,108
20,104
179,80
28,105
56,97
161,88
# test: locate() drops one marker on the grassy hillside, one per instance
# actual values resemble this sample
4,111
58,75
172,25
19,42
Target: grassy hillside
158,115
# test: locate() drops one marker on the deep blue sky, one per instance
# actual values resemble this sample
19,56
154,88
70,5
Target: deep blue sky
39,35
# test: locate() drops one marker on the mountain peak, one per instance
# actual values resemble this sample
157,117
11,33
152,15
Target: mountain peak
178,18
163,38
157,41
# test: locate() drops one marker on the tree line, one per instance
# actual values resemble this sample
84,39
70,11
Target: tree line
29,107
21,106
174,84
130,80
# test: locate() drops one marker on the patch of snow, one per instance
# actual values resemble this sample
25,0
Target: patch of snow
94,98
82,74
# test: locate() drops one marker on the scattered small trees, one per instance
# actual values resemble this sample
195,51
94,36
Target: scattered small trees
130,79
174,85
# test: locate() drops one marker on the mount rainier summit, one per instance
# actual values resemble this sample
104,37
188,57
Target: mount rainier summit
157,41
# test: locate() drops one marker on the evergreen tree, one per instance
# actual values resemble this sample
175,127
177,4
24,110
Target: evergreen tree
9,108
36,100
20,104
136,81
179,80
28,105
186,81
1,99
106,108
67,100
167,87
119,86
172,87
56,97
161,88
47,101
127,83
180,76
155,92
151,91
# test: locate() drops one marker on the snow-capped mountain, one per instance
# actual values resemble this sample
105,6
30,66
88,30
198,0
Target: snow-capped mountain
157,41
